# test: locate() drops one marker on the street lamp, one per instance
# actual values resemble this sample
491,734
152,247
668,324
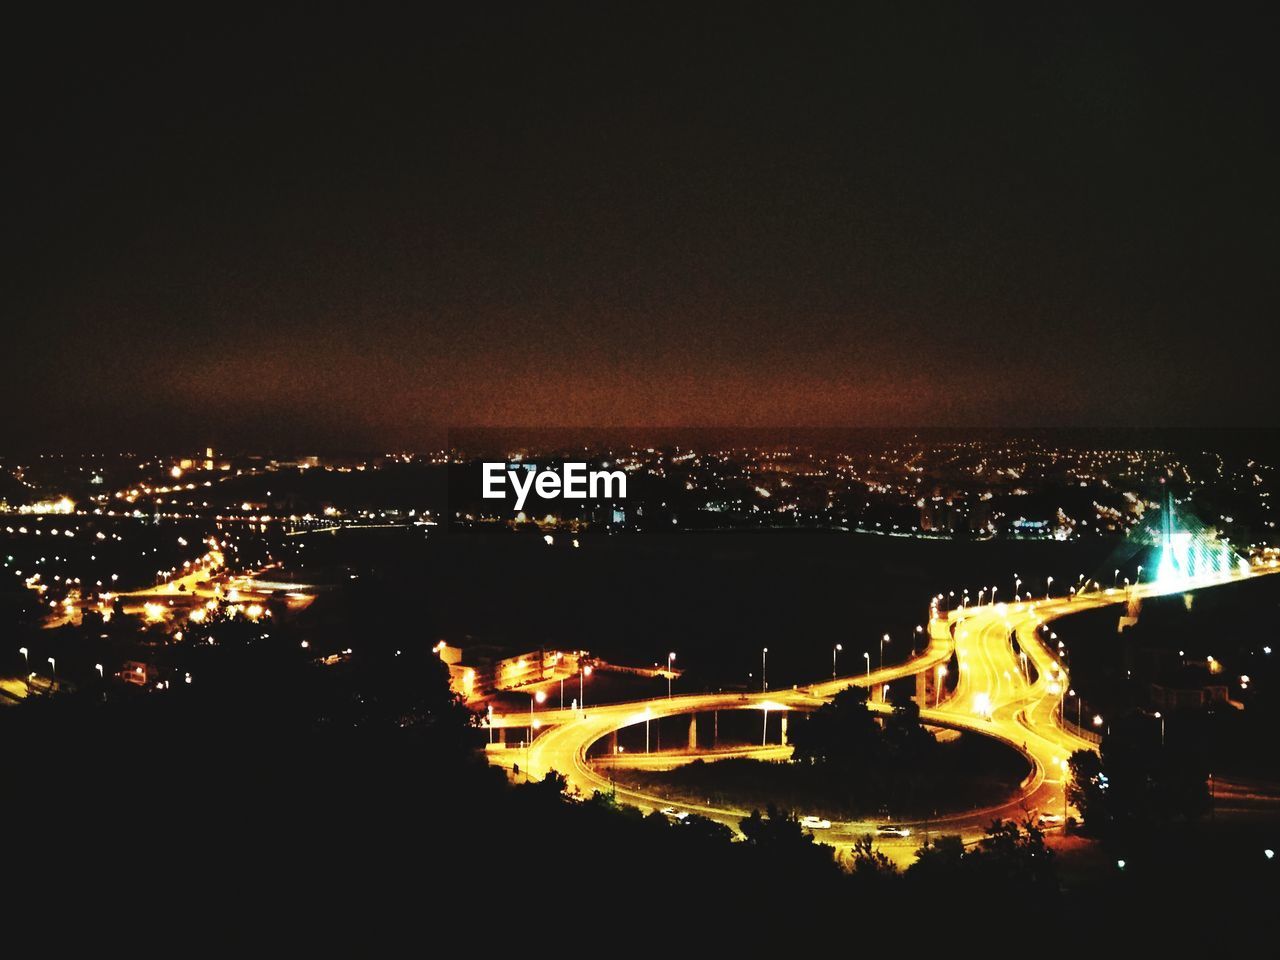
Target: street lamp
490,711
1160,717
867,656
559,660
535,699
670,659
1048,587
1138,579
1115,579
937,684
98,667
883,641
26,655
764,669
582,685
834,650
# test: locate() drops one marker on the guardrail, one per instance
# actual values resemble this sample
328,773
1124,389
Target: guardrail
1081,732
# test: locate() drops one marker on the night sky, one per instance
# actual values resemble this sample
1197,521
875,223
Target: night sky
307,229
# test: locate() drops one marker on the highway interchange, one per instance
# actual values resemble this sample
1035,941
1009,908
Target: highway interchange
997,694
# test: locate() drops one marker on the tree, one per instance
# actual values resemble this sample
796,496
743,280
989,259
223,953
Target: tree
841,731
1086,791
777,830
869,862
938,860
704,828
1132,785
1014,858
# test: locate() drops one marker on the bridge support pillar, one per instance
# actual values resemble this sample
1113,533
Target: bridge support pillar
693,732
502,736
877,693
613,742
922,689
784,730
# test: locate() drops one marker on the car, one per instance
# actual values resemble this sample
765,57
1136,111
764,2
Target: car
674,814
815,823
1050,819
892,830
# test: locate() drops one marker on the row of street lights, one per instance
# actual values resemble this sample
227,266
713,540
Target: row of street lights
1080,587
839,648
53,666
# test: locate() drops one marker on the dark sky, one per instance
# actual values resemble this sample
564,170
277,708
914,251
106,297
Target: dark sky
306,228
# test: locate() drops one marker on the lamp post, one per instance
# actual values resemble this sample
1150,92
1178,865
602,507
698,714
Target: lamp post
1138,579
670,659
490,713
1065,775
534,700
835,650
1048,587
764,669
937,684
1160,717
867,656
883,641
53,673
582,685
